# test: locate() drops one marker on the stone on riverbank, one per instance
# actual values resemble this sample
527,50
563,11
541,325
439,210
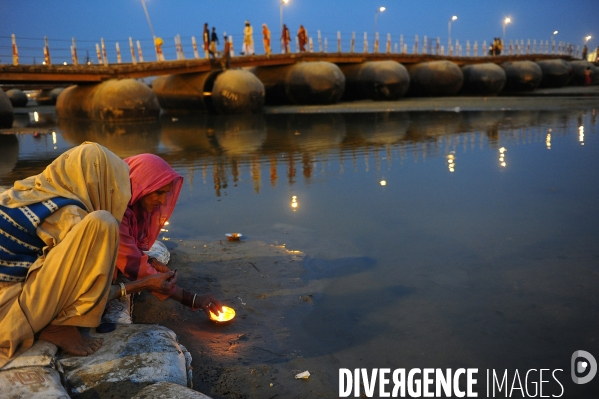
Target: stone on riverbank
7,113
522,75
483,79
110,101
435,78
375,80
556,73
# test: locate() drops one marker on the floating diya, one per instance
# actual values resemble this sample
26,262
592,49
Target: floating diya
226,315
233,236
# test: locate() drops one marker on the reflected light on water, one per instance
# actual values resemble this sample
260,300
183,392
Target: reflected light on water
581,135
451,161
548,141
294,203
383,182
502,151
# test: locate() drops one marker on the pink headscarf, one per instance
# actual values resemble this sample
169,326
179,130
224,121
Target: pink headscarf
140,229
148,173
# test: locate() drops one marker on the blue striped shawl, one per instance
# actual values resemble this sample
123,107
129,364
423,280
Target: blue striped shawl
20,246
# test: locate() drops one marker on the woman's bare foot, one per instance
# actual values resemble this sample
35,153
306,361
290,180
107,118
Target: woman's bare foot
70,340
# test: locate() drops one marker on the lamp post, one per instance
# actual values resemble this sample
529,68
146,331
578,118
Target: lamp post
449,33
553,34
505,22
380,9
281,12
143,3
586,39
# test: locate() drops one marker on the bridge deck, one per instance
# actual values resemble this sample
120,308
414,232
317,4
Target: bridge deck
23,75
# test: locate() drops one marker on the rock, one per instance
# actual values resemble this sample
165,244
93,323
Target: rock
435,78
483,79
556,73
131,357
7,113
375,80
17,97
522,75
109,101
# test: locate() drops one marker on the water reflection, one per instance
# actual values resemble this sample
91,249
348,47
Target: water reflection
224,148
124,139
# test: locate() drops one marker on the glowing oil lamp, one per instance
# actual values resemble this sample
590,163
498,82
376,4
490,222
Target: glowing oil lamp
226,315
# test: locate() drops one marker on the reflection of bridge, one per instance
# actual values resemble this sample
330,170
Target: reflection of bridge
275,148
70,74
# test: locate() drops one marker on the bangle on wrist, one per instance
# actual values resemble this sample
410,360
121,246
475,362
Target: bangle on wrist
123,290
193,301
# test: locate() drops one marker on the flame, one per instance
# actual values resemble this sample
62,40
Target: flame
226,315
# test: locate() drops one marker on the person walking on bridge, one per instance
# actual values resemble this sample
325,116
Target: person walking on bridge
285,39
266,39
213,43
248,39
206,39
302,37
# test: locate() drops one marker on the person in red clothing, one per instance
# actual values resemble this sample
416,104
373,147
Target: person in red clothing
285,39
302,37
155,188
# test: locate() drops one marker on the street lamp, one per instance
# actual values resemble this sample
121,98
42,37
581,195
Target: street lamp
505,22
281,11
586,39
143,3
553,34
449,32
380,9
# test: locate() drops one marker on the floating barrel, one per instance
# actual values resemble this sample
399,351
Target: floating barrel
578,69
17,97
48,96
375,80
435,78
302,83
522,75
227,92
556,73
109,101
485,79
7,113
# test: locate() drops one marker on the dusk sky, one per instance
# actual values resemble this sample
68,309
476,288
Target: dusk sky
117,20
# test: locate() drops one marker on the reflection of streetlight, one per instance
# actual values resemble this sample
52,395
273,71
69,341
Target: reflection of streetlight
449,31
380,9
502,151
451,161
505,22
281,10
294,203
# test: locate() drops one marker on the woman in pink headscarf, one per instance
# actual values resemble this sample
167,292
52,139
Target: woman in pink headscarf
155,188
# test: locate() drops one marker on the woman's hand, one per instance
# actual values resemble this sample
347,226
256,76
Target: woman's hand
159,266
162,283
208,303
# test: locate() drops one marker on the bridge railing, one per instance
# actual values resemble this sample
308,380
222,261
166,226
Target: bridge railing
26,50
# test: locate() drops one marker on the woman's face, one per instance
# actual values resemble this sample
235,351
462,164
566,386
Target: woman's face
156,198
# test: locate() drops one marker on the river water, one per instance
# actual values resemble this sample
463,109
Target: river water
442,239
